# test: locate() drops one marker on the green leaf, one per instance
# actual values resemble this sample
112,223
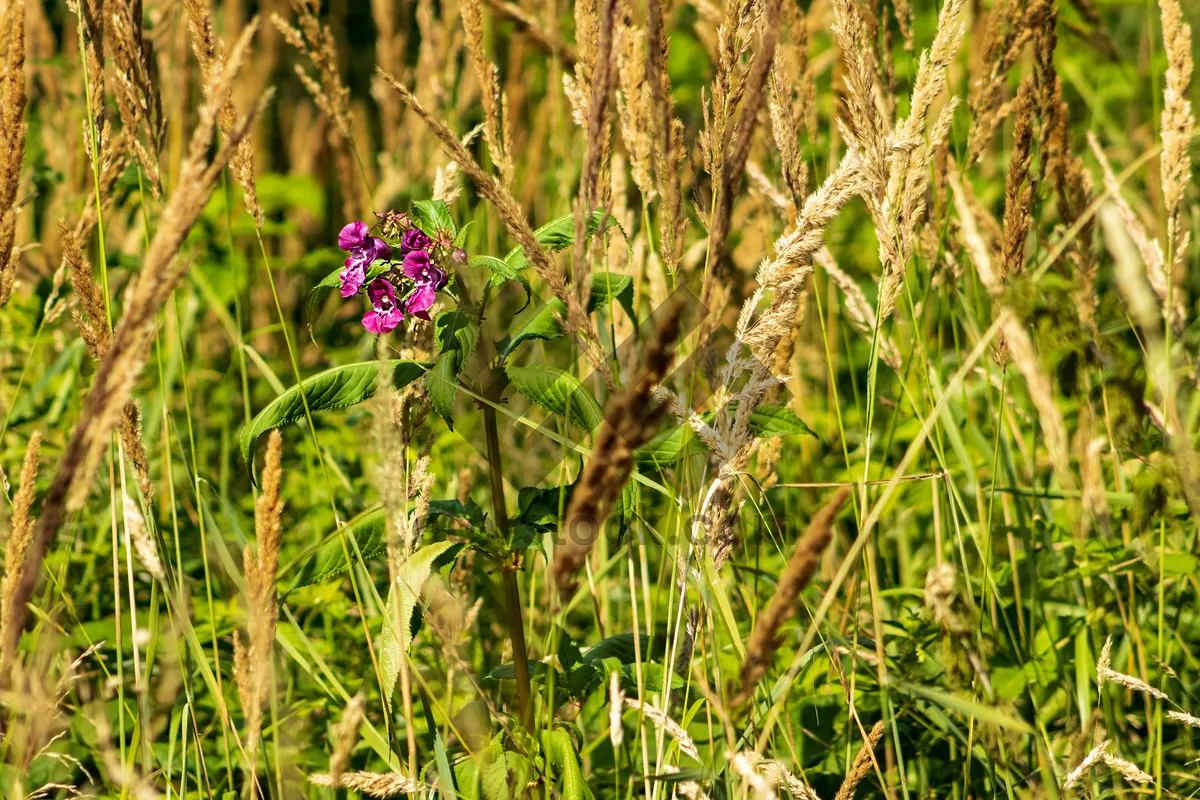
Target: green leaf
609,286
469,512
506,672
441,384
771,420
500,272
540,507
665,448
542,325
625,508
457,334
557,392
967,707
504,774
623,647
339,387
432,216
401,602
559,234
460,238
606,287
369,531
560,752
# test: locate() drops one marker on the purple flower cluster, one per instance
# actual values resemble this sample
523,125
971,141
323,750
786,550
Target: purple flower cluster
422,279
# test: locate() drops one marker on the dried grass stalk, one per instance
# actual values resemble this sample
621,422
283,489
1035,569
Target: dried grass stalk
15,551
1105,673
862,763
253,664
668,140
160,273
143,541
1177,124
13,100
346,736
1094,757
732,163
669,726
595,156
493,100
1018,191
210,55
630,419
139,100
92,321
805,558
372,784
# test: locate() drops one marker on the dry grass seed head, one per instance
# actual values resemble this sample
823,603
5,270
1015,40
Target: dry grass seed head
19,536
13,99
372,784
862,763
630,419
345,735
160,273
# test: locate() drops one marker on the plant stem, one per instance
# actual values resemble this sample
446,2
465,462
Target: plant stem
512,592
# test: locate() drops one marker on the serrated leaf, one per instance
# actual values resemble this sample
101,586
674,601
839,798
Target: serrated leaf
560,752
665,448
625,507
456,330
441,384
609,286
402,600
369,531
470,512
432,216
541,507
460,238
542,325
457,334
340,387
559,234
507,672
558,392
500,271
606,287
622,646
771,420
505,774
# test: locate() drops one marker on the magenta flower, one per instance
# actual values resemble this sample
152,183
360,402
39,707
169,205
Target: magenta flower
363,248
385,314
428,279
420,269
414,239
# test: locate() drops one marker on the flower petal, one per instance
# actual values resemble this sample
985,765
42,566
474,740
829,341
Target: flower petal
420,301
377,248
382,322
382,294
416,263
352,277
353,235
437,278
414,239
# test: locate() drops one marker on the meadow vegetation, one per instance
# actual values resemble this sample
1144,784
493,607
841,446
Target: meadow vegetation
635,398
